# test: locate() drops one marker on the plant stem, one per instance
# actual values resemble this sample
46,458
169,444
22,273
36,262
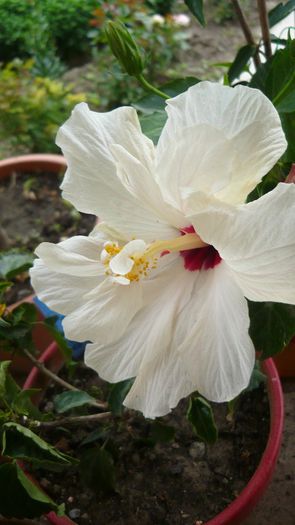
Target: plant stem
246,30
264,27
74,420
150,87
58,380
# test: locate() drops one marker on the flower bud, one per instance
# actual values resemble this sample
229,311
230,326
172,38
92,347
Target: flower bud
124,48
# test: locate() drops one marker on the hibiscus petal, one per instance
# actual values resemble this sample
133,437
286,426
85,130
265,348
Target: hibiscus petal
257,241
61,292
106,313
218,352
210,352
238,126
91,183
76,256
140,182
151,330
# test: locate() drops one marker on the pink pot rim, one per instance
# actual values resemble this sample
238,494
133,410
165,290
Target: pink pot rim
33,162
241,507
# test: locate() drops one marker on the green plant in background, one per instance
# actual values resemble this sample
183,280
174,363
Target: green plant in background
22,22
32,108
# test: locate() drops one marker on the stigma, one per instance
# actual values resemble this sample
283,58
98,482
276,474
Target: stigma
135,260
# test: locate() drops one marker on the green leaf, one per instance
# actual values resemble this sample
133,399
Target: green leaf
256,379
20,497
161,433
201,416
153,124
13,263
280,11
272,326
117,395
59,338
22,404
281,77
196,8
287,104
19,442
288,123
71,399
151,103
97,470
241,60
3,323
4,285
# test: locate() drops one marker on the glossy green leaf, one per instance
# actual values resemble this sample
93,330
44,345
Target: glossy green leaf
20,497
151,103
117,394
97,470
13,396
161,433
196,8
13,263
71,399
288,123
153,124
201,416
272,326
241,60
280,11
287,105
19,442
280,81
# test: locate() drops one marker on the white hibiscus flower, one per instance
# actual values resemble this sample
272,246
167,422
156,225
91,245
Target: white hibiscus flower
159,287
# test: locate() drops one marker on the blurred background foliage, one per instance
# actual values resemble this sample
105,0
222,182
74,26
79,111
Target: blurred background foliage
50,48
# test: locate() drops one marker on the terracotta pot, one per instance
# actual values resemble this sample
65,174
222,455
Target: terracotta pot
30,163
241,507
285,360
34,162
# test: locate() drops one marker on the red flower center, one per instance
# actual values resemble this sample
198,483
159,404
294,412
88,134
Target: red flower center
199,258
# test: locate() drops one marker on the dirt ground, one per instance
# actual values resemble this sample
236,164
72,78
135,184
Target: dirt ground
277,505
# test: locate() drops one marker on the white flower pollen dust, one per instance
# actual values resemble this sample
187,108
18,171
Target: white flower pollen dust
159,286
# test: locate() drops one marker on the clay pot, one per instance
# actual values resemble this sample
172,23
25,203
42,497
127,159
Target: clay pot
35,162
242,506
285,360
30,163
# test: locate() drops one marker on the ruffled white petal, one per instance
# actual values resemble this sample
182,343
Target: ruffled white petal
61,292
140,182
91,183
105,315
218,140
76,256
257,241
151,330
192,334
217,350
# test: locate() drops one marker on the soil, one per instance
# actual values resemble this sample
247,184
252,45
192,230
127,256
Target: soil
177,482
32,211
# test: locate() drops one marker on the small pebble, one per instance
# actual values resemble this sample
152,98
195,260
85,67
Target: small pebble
74,513
197,450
